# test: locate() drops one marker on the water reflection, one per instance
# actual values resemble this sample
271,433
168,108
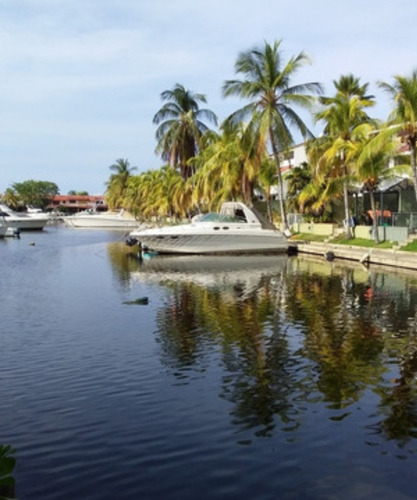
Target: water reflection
289,336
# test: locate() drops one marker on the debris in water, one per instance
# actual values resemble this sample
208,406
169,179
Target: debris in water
141,301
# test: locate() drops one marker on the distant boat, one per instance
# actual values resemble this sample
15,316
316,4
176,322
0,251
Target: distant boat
23,220
236,228
109,220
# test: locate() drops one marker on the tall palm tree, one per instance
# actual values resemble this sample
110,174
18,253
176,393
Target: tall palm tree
349,86
181,127
267,84
118,182
404,117
341,114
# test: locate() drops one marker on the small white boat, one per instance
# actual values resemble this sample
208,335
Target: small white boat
235,229
23,220
110,220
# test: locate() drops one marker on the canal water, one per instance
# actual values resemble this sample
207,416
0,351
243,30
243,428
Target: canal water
188,377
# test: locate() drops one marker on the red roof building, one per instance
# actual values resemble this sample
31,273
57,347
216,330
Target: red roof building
75,203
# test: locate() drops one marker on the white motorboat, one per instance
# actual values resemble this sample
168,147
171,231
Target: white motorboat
109,220
235,229
23,220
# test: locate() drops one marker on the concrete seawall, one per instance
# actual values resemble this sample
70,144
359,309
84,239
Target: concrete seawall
393,258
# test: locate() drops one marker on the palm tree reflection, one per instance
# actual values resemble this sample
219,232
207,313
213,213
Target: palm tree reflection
296,335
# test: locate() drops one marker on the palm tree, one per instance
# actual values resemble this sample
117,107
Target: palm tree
118,182
404,117
372,165
11,198
267,85
297,179
227,167
341,114
267,178
159,193
180,127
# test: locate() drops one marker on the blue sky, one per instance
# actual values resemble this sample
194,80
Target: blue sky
80,80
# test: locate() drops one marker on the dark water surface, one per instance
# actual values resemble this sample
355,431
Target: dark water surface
253,378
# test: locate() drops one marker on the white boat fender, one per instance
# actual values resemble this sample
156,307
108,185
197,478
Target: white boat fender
365,258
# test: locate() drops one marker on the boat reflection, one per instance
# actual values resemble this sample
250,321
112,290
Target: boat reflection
240,274
290,334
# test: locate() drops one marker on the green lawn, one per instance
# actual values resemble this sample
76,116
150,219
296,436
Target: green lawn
362,242
341,240
410,247
308,237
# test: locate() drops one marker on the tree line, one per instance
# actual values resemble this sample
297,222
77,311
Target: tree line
244,154
204,167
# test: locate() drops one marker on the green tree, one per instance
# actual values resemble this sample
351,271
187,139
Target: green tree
227,167
341,114
159,193
404,117
268,85
266,179
181,127
297,179
79,193
36,193
10,198
117,183
307,196
374,150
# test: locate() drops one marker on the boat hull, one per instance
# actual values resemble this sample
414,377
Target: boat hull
99,221
236,229
216,243
27,223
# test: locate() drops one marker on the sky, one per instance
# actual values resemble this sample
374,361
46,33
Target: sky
80,80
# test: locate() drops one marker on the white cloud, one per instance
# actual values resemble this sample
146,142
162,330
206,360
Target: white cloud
81,79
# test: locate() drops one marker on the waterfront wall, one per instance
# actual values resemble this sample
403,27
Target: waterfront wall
394,258
386,233
315,228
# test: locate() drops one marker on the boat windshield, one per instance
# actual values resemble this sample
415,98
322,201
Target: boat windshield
216,217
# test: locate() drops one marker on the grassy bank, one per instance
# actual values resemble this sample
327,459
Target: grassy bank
359,242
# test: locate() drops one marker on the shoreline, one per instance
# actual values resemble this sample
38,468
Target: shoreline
386,257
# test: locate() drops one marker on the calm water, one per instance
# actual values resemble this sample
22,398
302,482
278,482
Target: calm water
261,378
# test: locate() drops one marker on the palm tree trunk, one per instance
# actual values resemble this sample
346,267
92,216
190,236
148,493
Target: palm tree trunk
413,165
268,204
280,182
347,214
374,216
